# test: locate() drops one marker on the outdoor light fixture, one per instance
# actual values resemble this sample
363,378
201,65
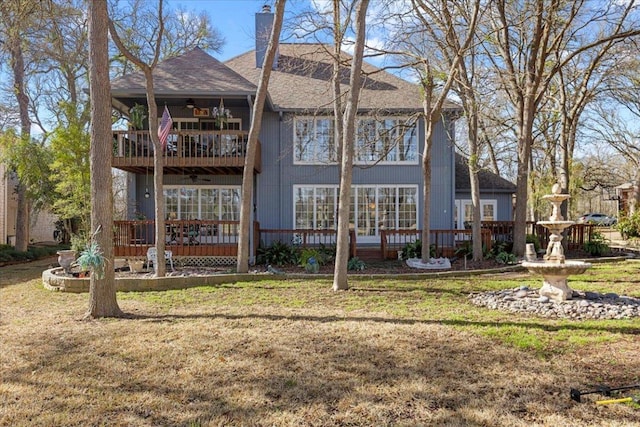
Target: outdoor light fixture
190,103
146,193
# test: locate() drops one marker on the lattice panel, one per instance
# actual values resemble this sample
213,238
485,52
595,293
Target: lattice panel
209,261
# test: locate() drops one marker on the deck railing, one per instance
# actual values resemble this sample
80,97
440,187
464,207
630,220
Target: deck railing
220,238
445,242
221,148
183,237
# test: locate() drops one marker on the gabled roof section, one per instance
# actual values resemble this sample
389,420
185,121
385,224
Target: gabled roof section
489,181
195,73
302,81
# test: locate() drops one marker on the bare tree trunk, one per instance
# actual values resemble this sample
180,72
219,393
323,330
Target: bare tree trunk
18,67
476,228
348,141
158,151
254,132
426,182
102,291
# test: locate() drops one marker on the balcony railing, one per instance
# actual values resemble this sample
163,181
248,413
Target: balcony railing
183,237
203,152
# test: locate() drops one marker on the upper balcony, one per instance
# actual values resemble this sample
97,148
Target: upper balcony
216,152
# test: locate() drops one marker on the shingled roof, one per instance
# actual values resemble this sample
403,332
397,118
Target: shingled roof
302,81
195,73
489,181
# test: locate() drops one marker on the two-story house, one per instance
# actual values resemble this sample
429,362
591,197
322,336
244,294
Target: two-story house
296,173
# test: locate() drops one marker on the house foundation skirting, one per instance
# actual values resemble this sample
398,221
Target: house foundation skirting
207,261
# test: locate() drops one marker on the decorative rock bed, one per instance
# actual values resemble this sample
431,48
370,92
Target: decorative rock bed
583,305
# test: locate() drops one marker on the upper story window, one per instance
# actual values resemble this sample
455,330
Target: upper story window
386,140
313,140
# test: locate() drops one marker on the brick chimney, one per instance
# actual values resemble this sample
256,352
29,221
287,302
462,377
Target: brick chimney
264,23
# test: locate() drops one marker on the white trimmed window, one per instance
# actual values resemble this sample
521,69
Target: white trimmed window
202,202
386,140
463,214
313,140
373,208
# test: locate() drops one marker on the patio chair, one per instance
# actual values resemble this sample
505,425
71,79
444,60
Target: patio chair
152,258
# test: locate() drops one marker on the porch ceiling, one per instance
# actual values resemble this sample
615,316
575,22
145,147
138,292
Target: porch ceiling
197,170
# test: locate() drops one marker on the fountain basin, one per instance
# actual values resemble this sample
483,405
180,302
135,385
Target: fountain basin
555,275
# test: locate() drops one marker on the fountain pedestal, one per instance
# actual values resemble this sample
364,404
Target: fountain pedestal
554,268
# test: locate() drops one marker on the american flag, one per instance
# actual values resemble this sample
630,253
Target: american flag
165,127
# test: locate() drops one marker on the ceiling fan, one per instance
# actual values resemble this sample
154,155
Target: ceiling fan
195,178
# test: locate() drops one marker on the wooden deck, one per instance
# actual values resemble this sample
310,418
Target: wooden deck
201,152
205,238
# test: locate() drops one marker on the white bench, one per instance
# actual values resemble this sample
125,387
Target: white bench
152,258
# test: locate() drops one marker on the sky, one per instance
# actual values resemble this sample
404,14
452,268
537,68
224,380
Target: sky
235,19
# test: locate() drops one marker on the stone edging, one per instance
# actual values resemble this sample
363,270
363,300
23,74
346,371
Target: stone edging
55,282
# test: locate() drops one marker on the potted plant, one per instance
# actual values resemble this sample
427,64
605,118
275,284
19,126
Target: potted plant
92,259
66,259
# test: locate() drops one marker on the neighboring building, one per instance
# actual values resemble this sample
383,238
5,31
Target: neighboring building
296,172
9,207
496,195
625,196
42,224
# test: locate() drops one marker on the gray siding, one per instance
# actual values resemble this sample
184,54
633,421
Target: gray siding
279,175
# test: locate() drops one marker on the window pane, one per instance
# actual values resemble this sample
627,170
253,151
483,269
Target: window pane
209,205
188,203
229,204
366,198
408,144
171,203
303,140
487,212
388,141
325,208
325,148
366,141
407,208
387,208
304,208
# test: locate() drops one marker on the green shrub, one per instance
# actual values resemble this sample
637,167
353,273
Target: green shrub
597,245
356,264
321,254
9,254
506,258
629,226
79,242
278,254
414,250
465,249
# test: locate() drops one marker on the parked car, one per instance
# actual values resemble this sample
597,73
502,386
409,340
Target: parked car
597,219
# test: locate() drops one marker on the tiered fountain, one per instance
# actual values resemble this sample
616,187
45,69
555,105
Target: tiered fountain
554,268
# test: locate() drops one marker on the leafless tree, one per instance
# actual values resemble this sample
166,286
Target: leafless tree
254,132
528,43
152,56
340,281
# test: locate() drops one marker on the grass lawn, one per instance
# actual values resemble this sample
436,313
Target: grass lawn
295,353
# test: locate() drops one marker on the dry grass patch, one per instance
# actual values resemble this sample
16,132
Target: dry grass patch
296,353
